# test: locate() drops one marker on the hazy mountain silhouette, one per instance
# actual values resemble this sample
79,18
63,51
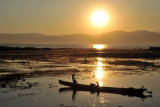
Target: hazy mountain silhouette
141,37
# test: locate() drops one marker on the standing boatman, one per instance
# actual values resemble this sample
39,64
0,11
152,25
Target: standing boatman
73,78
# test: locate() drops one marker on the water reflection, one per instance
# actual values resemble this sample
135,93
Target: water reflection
99,72
99,46
100,83
129,94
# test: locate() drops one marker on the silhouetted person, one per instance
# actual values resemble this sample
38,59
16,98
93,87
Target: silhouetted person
73,78
97,84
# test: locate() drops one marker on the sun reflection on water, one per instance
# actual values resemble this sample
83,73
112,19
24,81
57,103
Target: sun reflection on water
99,71
99,46
100,83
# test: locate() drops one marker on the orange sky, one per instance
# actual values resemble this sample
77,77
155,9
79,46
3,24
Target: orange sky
72,16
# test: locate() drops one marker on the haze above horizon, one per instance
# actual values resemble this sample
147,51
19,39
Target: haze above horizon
71,17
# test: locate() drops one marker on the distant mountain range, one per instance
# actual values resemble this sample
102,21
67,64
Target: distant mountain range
135,38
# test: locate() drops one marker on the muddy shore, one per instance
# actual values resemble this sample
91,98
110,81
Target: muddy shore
27,71
63,57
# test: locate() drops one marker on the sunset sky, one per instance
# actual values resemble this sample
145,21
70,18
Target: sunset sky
73,16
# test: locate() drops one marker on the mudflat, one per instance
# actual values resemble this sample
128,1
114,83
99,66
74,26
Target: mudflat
31,76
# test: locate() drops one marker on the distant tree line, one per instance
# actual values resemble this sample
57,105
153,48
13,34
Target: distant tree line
6,48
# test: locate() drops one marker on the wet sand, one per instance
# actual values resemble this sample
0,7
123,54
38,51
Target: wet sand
29,76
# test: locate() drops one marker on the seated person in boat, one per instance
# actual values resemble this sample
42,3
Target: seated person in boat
97,84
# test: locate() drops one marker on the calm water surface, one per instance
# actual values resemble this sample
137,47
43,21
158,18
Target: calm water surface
46,93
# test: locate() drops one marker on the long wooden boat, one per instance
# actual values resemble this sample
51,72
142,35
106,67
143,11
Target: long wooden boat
123,91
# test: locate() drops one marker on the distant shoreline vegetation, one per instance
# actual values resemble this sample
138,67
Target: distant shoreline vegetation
66,46
6,48
9,48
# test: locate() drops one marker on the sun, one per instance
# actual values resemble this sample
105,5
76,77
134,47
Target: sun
99,18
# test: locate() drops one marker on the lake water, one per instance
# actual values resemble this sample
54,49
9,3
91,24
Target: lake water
46,95
110,72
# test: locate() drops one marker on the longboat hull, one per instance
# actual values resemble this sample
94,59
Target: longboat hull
123,91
